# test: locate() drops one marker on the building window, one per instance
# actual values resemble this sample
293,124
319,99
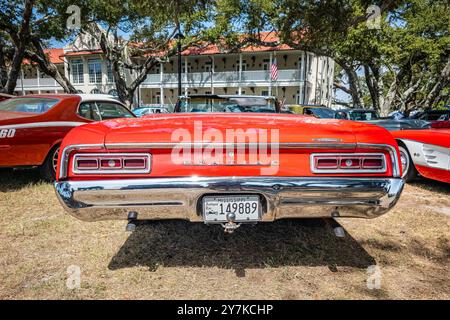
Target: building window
95,70
264,93
183,67
76,67
109,72
244,65
95,91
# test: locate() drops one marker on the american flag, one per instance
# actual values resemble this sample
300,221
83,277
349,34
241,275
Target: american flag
274,70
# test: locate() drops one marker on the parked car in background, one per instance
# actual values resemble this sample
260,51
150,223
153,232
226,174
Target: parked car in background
33,126
391,124
432,115
5,96
425,152
227,160
227,103
150,109
314,110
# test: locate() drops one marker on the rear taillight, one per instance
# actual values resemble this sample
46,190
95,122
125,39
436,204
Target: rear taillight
348,163
111,163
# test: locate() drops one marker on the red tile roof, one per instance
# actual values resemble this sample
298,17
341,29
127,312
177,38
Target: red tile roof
83,52
54,54
264,37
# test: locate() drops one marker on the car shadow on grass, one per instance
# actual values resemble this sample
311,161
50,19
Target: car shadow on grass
13,180
265,245
432,185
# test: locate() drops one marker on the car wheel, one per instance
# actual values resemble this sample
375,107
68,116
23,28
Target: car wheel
48,168
409,172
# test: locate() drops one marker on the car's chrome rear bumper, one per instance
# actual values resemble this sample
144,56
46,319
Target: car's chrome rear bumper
179,198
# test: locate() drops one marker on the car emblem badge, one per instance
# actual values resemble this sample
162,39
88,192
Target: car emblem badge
327,140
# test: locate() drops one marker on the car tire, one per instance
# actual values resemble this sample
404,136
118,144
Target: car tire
48,168
409,172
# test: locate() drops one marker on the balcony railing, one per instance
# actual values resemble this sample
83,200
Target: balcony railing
227,78
34,84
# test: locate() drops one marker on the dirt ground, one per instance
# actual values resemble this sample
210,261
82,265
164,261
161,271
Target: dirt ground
404,254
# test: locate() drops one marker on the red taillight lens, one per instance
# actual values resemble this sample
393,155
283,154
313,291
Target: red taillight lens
346,163
372,163
86,164
137,163
111,163
327,163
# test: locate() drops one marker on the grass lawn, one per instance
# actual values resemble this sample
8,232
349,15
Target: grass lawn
299,259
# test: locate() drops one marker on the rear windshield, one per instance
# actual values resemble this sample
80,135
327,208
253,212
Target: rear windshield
363,115
30,105
320,112
232,104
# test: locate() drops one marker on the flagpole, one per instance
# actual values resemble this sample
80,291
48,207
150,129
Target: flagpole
270,73
276,80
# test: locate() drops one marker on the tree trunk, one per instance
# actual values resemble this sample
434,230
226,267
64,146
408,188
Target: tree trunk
20,40
49,68
3,68
441,83
354,85
372,86
14,70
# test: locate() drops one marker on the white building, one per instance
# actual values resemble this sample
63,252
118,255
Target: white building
303,77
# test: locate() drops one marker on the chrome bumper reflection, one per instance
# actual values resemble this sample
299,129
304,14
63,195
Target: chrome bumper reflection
178,198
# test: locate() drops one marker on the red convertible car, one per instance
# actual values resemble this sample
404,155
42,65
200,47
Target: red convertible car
33,126
228,160
425,152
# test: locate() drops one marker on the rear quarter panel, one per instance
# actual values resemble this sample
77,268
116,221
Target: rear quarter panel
429,150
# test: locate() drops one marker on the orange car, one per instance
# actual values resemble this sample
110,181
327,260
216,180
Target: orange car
33,126
228,160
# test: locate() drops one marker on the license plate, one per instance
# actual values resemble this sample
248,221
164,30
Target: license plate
245,208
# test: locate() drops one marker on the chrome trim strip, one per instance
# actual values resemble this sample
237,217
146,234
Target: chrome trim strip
44,124
147,168
392,153
283,145
379,170
179,198
65,153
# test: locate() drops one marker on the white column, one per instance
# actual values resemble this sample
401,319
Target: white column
186,75
269,70
85,75
330,82
66,68
240,74
21,81
38,76
304,78
318,61
300,77
212,73
139,96
161,77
